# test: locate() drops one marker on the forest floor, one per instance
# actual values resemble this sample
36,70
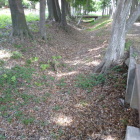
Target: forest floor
49,92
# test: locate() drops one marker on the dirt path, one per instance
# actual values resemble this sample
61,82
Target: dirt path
59,108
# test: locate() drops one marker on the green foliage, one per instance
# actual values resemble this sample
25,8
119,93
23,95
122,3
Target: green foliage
56,57
28,121
98,24
11,78
61,83
88,81
128,44
4,20
16,55
2,137
44,66
2,62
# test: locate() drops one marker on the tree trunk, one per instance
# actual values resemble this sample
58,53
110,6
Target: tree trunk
63,15
56,17
50,10
20,28
68,12
112,9
42,19
58,9
121,25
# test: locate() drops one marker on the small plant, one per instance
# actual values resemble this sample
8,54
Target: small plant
2,137
88,81
18,115
2,62
16,55
61,83
44,66
17,46
117,68
56,57
128,44
28,121
57,107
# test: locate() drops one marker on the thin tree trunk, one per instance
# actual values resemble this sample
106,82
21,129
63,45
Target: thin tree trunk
20,28
42,19
112,8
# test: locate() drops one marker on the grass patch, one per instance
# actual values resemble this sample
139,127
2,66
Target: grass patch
128,43
16,55
100,23
5,19
88,81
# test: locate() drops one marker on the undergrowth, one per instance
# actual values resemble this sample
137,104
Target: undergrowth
88,81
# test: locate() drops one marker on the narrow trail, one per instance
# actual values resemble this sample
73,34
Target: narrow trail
63,110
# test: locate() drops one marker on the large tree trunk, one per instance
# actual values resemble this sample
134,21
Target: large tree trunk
63,15
56,17
58,9
121,24
20,28
50,10
43,19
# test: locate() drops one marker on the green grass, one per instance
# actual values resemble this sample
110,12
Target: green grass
16,55
5,19
100,23
128,43
88,81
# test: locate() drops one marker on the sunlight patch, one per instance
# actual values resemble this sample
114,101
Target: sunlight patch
4,54
63,120
110,138
66,74
81,105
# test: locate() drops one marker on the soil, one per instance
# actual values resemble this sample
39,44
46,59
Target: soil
69,112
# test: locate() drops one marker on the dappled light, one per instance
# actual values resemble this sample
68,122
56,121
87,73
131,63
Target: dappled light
63,120
5,54
67,74
110,138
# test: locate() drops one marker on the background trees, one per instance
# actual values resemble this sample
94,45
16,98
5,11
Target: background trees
122,22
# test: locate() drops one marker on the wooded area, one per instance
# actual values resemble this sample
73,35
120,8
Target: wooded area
63,68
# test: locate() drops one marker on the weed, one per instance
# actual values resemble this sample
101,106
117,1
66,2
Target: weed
16,55
2,62
17,46
57,107
2,137
128,43
124,121
28,121
88,81
11,78
18,115
61,83
44,66
38,84
117,68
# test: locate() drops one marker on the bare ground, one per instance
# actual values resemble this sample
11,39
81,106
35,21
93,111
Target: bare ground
64,111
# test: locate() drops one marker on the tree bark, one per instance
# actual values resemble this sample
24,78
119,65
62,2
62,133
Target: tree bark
20,28
115,50
58,9
43,19
63,15
56,17
50,10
